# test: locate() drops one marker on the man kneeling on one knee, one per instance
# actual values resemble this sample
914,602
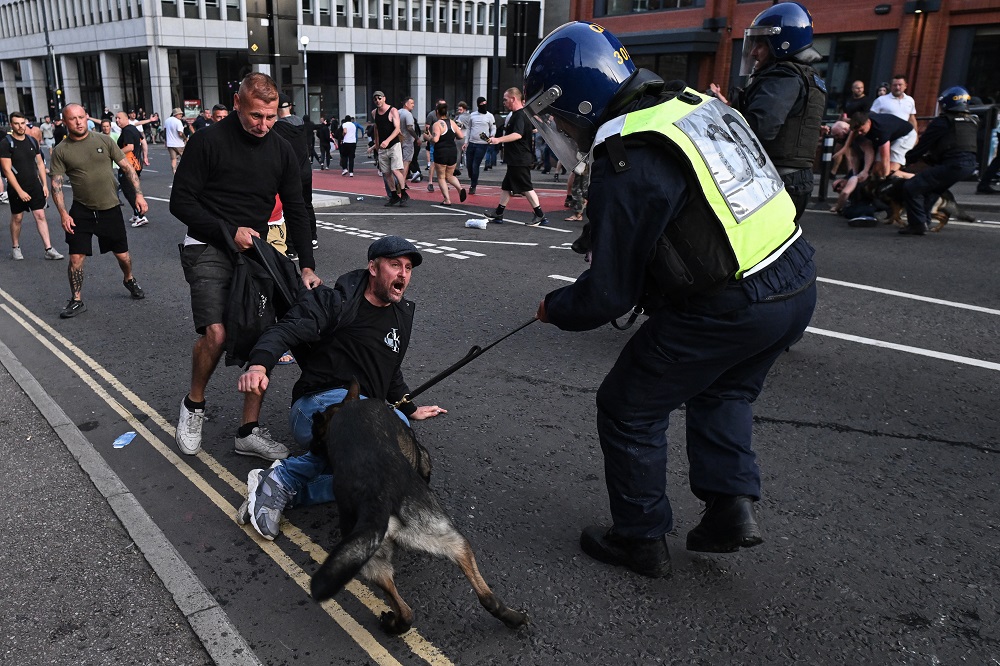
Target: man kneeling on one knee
360,329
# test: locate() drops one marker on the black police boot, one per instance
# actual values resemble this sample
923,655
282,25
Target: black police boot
727,525
648,557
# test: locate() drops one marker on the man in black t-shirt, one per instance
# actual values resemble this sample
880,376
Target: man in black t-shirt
131,142
517,154
358,329
23,167
889,139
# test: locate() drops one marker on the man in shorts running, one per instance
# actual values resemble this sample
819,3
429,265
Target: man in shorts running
517,155
85,158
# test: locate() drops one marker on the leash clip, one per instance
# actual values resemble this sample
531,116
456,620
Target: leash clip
403,400
636,311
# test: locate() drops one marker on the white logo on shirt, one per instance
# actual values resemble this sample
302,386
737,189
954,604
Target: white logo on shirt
392,340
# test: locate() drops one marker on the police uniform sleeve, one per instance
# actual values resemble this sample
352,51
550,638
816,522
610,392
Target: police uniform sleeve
628,211
767,111
936,130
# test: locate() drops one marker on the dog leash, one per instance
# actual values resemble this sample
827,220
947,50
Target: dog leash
475,352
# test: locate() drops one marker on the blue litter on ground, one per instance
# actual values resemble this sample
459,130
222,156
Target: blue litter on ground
124,440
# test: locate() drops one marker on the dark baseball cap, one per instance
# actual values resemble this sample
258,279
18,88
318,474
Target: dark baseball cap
394,246
284,101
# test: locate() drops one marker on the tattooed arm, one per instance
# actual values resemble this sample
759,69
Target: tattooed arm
60,202
140,201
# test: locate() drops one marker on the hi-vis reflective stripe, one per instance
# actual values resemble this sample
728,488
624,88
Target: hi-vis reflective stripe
741,185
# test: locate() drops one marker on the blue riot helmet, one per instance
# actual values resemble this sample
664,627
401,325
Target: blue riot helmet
574,75
785,30
955,98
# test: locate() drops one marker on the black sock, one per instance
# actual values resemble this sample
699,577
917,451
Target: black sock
538,211
246,429
48,248
192,405
500,210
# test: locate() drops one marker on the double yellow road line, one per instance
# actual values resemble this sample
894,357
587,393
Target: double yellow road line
93,374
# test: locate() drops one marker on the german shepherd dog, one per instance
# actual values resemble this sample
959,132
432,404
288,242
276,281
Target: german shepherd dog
380,480
890,192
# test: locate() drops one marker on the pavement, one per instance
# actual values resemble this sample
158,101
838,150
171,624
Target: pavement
99,583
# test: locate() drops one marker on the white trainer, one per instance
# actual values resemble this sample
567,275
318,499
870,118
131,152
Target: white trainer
189,429
259,443
16,254
52,254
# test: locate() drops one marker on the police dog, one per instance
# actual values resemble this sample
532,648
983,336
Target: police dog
890,192
380,480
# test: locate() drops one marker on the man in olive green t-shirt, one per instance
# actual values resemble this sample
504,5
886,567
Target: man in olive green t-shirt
86,158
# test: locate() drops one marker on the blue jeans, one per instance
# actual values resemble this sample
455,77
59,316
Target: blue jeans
474,155
491,156
309,475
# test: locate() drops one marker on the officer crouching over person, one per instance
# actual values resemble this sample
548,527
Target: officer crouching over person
785,98
949,146
689,220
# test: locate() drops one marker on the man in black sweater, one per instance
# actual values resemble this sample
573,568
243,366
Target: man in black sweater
224,191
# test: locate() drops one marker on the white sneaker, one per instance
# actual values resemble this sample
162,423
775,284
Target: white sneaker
3,197
344,172
351,174
16,253
259,443
52,254
139,221
253,480
188,434
132,220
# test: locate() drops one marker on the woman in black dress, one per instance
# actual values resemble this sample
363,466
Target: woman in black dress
443,134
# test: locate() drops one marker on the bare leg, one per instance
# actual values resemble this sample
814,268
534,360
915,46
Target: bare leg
75,271
532,198
441,173
205,356
400,176
251,407
450,177
125,263
41,223
15,229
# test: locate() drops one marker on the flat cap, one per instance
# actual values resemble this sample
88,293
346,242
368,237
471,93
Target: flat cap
394,246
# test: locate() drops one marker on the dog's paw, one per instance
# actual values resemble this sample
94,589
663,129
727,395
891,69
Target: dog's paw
514,619
393,624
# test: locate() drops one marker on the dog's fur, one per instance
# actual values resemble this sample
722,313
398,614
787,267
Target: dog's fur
380,480
890,192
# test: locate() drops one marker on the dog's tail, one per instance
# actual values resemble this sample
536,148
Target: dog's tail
346,561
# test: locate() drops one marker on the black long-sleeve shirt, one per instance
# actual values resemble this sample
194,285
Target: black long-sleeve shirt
228,178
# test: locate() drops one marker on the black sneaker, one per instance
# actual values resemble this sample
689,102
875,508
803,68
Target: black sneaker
648,557
492,216
537,221
568,203
393,200
403,199
72,309
134,289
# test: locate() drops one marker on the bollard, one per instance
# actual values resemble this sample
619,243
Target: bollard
824,176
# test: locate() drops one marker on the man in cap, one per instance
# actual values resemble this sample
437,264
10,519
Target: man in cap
390,151
360,329
173,130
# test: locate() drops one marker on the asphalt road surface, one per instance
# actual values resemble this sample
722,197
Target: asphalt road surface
877,436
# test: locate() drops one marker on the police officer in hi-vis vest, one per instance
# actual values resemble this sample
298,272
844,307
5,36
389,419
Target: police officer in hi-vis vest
690,222
785,98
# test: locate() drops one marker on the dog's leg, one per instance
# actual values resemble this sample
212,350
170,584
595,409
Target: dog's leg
379,570
346,560
466,561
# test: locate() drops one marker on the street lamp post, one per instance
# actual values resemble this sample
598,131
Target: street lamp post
304,40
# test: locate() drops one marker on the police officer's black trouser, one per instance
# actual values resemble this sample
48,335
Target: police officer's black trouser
128,190
714,357
924,189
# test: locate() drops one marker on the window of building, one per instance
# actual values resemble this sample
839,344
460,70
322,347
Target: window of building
325,12
169,8
401,16
619,7
232,10
372,8
191,9
342,13
307,10
91,88
212,10
359,20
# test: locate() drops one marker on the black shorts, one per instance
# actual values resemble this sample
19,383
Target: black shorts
37,201
517,180
108,225
208,271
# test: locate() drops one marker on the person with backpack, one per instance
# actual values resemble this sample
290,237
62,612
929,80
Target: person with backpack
23,167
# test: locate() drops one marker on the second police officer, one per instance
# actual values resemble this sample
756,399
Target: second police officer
949,146
690,221
785,98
